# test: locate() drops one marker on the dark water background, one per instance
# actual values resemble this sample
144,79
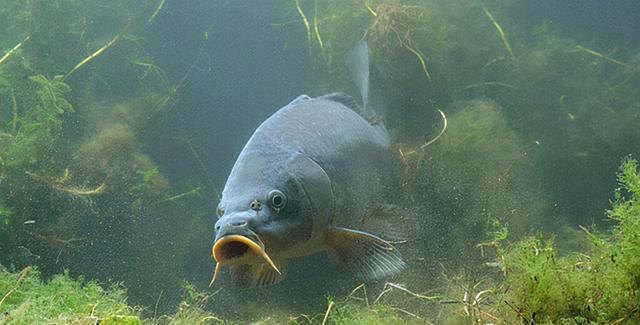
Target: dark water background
256,58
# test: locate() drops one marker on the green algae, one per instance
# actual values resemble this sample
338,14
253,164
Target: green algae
595,286
350,313
63,300
73,158
60,300
121,320
535,282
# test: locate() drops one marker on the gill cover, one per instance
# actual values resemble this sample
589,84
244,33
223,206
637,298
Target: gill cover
316,185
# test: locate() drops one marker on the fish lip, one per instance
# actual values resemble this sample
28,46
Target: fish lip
233,247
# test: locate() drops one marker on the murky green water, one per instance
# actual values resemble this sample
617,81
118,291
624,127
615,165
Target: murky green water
120,122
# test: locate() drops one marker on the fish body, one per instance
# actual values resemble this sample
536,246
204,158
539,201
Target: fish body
313,166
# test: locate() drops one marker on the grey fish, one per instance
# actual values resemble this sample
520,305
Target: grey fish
313,165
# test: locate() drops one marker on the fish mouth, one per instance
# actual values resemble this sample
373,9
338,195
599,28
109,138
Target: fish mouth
232,247
232,250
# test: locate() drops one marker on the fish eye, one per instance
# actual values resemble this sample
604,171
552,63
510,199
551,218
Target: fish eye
277,200
219,211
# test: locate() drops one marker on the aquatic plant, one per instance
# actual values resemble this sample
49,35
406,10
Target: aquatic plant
35,127
61,300
350,313
501,88
532,281
451,183
550,113
191,309
600,285
25,299
75,180
392,25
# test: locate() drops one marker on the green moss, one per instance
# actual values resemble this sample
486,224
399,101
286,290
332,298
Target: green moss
63,300
190,313
598,286
60,300
121,320
71,157
478,170
191,310
352,313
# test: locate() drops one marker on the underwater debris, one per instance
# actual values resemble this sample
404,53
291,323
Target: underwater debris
388,21
600,55
194,191
151,69
373,12
489,83
14,111
23,274
312,30
364,298
499,29
388,287
316,28
305,21
94,55
326,314
81,191
404,155
475,304
53,240
197,157
156,12
350,310
57,183
172,90
421,58
15,48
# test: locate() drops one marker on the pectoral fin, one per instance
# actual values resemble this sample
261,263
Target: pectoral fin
258,275
369,256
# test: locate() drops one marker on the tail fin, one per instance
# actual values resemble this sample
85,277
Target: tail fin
358,63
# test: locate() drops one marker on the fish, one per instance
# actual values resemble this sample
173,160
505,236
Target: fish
313,166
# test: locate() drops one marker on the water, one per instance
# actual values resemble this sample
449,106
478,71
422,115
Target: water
123,186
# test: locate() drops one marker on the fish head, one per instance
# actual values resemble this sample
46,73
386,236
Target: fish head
271,206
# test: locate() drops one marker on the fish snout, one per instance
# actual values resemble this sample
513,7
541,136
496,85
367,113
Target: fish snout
234,238
233,224
236,244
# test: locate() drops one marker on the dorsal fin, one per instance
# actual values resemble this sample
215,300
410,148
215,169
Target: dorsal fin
350,102
358,64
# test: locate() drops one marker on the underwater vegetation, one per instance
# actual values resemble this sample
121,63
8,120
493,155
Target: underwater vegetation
535,284
63,300
77,186
598,285
530,122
